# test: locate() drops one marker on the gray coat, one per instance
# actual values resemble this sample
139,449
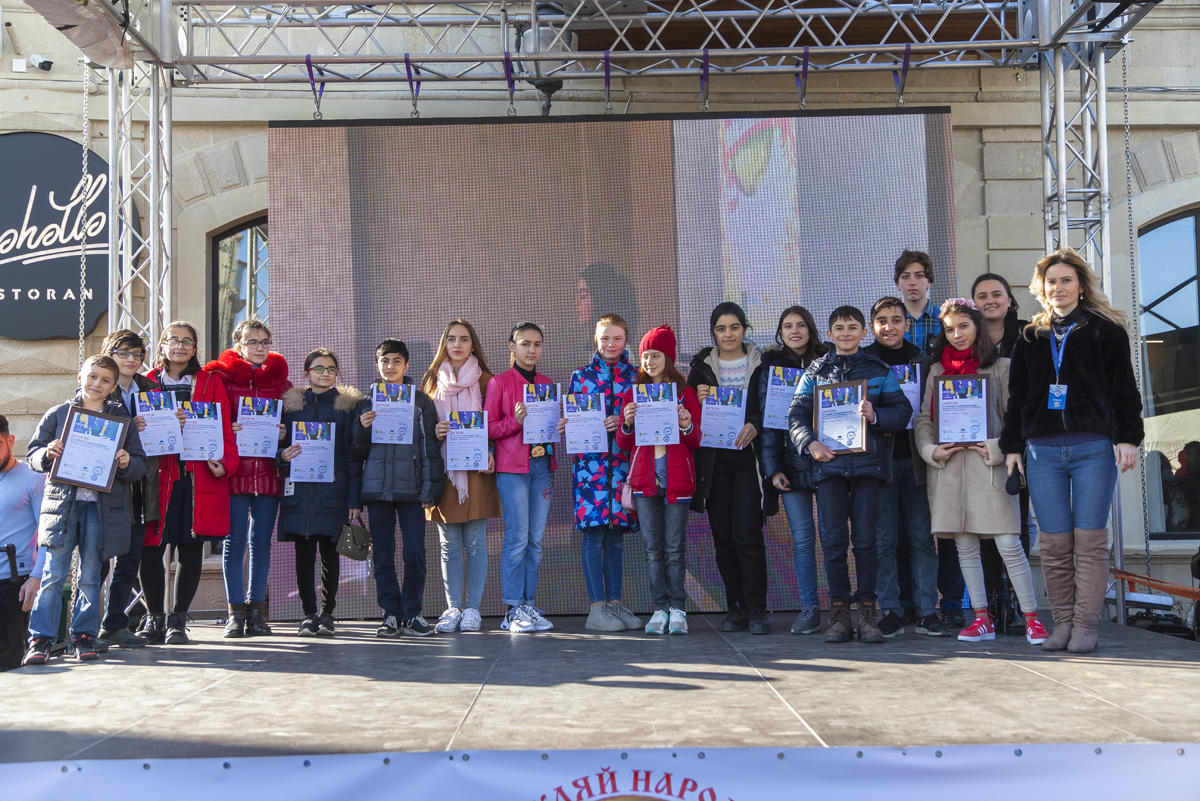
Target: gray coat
412,473
115,507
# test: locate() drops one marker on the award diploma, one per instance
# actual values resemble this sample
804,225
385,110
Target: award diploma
467,441
656,421
909,376
314,463
202,435
394,414
163,433
541,414
722,416
960,409
781,386
585,423
839,426
90,444
259,419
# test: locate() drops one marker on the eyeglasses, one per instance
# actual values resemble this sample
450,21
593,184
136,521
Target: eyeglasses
321,369
257,343
128,354
176,342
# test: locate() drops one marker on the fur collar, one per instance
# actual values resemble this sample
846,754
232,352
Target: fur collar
236,369
345,398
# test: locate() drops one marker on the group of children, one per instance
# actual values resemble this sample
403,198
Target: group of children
887,501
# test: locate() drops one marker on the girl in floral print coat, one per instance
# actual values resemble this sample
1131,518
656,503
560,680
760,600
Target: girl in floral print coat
598,478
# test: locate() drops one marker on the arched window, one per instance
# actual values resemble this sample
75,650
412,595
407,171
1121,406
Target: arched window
241,290
1168,261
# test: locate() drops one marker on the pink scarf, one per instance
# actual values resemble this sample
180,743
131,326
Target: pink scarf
459,394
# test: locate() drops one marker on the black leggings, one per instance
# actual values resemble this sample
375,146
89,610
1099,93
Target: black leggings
306,560
187,578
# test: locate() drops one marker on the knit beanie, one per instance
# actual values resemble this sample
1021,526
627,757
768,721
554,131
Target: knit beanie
661,339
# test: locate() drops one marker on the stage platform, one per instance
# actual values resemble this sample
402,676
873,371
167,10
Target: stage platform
573,689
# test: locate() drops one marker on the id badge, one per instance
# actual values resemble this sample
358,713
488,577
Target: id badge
1057,400
289,488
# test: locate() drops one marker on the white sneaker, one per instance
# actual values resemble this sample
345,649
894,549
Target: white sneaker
540,621
658,622
517,621
470,620
449,621
603,618
624,615
678,623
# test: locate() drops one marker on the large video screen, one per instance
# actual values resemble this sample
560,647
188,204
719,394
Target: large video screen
393,230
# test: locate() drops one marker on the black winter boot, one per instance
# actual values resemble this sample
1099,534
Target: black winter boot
236,627
256,625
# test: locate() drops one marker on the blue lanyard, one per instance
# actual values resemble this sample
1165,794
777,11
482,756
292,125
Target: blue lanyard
1057,351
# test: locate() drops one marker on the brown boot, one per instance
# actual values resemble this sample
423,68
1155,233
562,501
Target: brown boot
868,623
1058,568
1091,582
839,623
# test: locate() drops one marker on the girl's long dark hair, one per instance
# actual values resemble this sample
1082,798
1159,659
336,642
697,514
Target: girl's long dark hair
160,361
984,349
815,347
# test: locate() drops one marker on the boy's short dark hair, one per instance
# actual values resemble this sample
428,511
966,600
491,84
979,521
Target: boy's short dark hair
886,302
910,256
847,313
391,345
246,326
103,362
121,338
3,426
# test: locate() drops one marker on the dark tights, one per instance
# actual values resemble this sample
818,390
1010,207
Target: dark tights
306,560
190,556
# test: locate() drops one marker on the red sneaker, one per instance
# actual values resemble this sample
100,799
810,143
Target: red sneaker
1035,632
980,629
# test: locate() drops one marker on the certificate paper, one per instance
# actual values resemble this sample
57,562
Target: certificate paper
585,423
909,376
259,418
202,435
781,386
314,463
467,441
961,409
163,433
722,416
541,413
656,421
90,444
839,425
394,413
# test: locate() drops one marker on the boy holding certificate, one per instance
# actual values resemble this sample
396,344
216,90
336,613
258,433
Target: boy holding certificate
847,475
76,516
399,482
902,495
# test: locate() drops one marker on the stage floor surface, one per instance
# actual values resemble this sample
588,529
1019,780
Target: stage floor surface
570,688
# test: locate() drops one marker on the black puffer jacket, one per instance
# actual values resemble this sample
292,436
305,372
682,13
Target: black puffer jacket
1102,394
776,453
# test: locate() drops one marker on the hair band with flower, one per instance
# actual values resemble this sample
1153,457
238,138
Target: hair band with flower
963,302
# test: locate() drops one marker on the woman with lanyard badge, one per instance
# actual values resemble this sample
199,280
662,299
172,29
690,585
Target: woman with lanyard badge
1073,419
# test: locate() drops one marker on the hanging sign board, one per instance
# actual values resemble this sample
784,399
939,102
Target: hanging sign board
48,209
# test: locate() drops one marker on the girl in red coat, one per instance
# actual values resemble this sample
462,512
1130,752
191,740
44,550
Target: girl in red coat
663,478
250,369
193,497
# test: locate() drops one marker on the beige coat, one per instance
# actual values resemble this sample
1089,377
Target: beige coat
966,492
483,499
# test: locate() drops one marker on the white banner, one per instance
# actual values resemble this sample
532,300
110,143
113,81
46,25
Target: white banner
1095,772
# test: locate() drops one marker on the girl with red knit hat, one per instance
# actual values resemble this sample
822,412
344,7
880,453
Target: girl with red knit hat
662,479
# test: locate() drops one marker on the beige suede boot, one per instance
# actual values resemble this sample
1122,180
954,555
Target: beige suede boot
1091,581
1058,569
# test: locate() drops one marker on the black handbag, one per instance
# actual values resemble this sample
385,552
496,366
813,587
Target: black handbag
354,542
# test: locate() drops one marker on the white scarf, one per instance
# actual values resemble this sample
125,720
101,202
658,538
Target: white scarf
459,394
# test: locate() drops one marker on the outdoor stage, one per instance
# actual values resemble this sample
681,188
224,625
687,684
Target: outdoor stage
572,689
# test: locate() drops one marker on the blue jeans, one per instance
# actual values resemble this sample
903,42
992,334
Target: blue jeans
1071,486
525,504
83,531
664,531
901,499
798,505
603,560
854,500
252,517
458,540
382,517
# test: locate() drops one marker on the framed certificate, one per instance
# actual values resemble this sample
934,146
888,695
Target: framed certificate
839,426
90,444
960,409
